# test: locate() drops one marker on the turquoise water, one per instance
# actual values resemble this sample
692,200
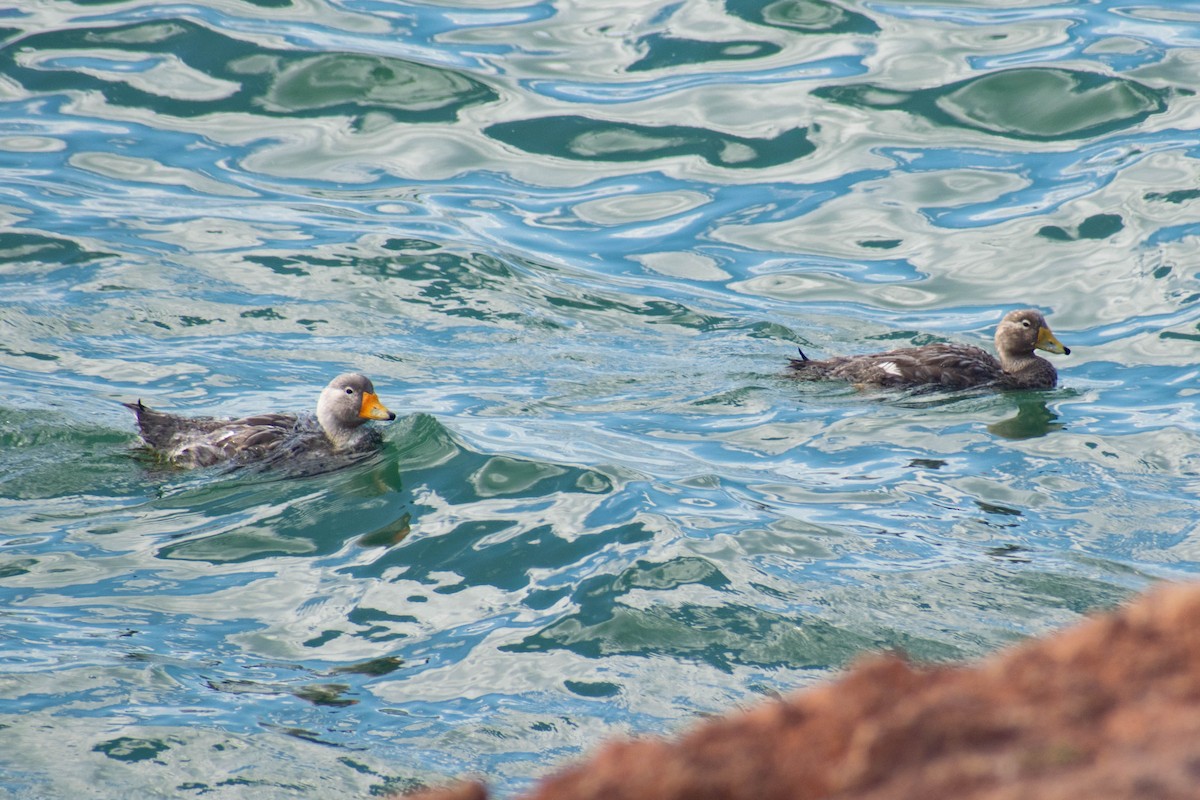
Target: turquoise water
574,245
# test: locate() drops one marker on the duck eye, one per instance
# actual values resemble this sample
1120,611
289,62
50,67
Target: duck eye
349,390
1024,323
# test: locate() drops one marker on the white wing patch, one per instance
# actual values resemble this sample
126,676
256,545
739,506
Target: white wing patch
890,368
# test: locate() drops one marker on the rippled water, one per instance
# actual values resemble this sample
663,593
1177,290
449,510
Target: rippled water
574,244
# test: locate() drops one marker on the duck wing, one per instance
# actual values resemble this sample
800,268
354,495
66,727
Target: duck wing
204,441
950,366
159,429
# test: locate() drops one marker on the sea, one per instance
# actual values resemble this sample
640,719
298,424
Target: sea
574,244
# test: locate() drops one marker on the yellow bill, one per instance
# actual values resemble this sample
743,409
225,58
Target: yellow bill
1049,342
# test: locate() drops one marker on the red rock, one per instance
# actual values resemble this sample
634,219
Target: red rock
1109,708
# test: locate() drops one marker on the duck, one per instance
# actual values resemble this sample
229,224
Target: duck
343,409
953,366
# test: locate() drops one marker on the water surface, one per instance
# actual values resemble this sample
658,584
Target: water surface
573,245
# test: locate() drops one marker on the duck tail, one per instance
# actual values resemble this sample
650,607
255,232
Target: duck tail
139,410
155,427
801,363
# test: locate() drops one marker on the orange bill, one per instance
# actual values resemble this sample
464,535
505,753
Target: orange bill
373,409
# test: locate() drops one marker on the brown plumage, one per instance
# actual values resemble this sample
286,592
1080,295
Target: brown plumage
953,366
345,405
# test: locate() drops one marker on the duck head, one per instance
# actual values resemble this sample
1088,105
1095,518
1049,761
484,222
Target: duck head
1022,332
348,402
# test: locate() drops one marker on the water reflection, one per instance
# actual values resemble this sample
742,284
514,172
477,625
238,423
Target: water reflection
585,139
803,16
1027,103
1032,420
186,69
664,51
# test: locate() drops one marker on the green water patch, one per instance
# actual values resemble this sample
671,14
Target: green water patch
20,248
423,445
483,287
239,546
241,515
442,269
374,667
592,689
1097,226
502,475
319,694
1076,593
126,748
586,139
1033,418
803,16
15,567
450,282
185,69
722,636
1188,337
247,516
1036,103
634,613
879,244
490,552
496,549
1176,197
48,455
663,51
325,694
350,82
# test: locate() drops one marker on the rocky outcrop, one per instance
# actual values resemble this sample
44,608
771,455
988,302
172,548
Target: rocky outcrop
1107,709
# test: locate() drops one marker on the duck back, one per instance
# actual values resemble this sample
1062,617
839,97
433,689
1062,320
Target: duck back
947,366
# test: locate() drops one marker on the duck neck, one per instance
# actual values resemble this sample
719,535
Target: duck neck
1020,363
338,431
1029,370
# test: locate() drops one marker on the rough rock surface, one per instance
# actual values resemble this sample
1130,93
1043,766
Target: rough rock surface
1109,708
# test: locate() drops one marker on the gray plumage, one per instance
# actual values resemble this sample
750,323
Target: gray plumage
953,366
345,405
